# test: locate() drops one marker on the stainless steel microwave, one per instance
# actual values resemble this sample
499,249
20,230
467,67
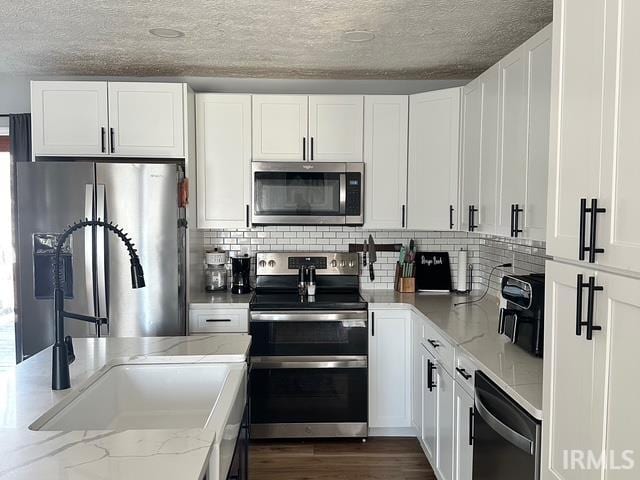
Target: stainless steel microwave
293,193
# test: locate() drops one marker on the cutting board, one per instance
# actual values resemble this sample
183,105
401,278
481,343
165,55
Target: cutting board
433,272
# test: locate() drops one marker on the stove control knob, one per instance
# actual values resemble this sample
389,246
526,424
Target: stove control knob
342,263
262,264
272,263
334,263
351,264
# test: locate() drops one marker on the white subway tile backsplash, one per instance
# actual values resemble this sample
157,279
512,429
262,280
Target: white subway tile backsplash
484,251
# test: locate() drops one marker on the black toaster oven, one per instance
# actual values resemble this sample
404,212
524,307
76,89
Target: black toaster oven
522,320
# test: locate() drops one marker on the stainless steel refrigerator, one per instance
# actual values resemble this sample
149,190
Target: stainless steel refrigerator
142,198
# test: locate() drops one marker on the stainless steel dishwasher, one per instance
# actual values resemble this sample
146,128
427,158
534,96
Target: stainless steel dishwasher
506,439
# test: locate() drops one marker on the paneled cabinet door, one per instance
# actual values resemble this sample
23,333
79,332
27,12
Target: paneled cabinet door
386,123
335,128
463,451
619,233
574,374
280,128
434,134
429,406
471,151
576,118
512,138
445,442
389,369
146,119
69,118
223,135
538,73
417,386
618,307
488,197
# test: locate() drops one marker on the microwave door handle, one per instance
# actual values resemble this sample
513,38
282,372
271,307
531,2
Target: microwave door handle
343,193
510,435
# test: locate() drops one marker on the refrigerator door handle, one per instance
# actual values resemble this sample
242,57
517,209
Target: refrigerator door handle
101,255
88,249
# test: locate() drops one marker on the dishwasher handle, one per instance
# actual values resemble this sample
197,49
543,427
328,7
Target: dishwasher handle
513,437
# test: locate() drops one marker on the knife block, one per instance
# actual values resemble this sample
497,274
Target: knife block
406,285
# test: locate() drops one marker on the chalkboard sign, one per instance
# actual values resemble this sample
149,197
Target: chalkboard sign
433,272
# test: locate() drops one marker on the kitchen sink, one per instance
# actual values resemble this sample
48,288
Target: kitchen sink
143,397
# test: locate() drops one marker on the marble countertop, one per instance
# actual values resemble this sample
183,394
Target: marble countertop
132,454
474,329
198,298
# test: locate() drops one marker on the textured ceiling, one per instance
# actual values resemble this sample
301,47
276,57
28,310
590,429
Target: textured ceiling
430,39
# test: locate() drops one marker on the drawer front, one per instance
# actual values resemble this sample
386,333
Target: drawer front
439,348
219,321
465,371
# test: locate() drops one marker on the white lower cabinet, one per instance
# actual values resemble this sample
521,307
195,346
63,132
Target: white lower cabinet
590,393
417,371
463,442
429,407
390,371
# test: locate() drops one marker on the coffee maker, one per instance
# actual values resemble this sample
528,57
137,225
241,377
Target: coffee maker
240,269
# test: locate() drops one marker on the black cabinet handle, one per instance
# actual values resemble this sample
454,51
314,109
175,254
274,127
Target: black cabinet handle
312,149
472,218
593,288
594,211
582,248
403,211
211,320
112,135
304,149
103,134
451,209
470,425
373,324
512,217
247,216
515,220
464,373
433,343
430,368
579,286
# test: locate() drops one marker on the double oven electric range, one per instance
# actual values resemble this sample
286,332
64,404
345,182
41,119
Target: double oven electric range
308,353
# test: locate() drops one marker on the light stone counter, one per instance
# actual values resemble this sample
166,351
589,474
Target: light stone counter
473,328
198,298
25,394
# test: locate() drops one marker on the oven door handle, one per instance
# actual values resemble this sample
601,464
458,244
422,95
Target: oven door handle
510,435
340,361
317,316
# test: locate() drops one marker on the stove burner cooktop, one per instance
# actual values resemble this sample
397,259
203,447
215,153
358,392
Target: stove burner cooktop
321,301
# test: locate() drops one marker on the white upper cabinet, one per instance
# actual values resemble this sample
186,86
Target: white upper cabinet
280,128
471,153
390,369
335,128
512,139
223,138
69,118
434,124
538,71
619,230
122,119
488,197
146,119
576,140
595,143
386,123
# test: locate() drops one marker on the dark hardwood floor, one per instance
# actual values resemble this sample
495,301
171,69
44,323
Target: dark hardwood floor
377,459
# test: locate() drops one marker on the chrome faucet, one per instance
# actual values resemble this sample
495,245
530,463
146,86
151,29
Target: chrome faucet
63,354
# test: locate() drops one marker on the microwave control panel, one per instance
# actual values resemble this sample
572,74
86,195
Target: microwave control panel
354,193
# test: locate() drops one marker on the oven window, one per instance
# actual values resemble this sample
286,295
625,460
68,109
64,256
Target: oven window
297,193
308,395
307,338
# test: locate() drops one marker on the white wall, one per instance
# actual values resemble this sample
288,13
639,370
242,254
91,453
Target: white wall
14,90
